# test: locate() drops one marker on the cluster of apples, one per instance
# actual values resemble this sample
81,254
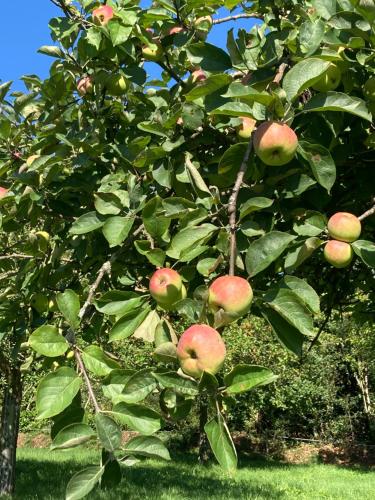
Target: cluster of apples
201,347
344,228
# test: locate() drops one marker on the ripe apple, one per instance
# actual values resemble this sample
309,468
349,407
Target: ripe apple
85,86
3,192
330,79
275,143
116,85
246,128
202,26
153,51
338,253
102,15
200,349
39,302
344,226
369,89
175,30
166,287
231,293
198,75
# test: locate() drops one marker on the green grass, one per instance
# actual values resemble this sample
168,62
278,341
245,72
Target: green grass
43,475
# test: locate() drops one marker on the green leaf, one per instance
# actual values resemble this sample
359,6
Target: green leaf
56,391
108,203
166,353
139,418
147,328
221,443
116,229
97,361
248,94
147,446
310,36
301,253
286,303
253,205
128,324
155,256
139,386
156,226
71,436
208,86
83,482
47,341
114,384
190,237
208,57
265,250
234,109
118,303
87,223
338,101
196,180
232,158
181,385
303,291
287,334
245,377
68,303
304,74
312,224
109,432
118,33
366,251
321,162
51,50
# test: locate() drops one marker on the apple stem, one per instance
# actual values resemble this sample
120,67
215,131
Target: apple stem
232,207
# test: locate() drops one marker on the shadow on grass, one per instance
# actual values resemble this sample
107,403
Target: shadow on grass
182,478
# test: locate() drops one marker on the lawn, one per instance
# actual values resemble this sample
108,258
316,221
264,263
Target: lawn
43,475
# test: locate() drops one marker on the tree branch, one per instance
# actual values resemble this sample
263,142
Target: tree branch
16,256
237,16
87,380
167,67
370,211
232,207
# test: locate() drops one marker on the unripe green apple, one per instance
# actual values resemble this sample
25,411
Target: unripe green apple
116,85
39,302
233,294
246,128
102,15
369,89
338,253
85,86
200,349
330,79
153,51
43,240
166,287
275,143
344,226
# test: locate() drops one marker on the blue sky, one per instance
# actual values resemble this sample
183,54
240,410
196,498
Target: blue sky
25,28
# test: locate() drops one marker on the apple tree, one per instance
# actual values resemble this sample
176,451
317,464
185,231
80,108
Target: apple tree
234,181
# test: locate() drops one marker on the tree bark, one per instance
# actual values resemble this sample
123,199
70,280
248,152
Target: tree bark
203,417
10,419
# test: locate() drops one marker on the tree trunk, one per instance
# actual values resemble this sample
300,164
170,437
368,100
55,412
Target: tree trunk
10,419
203,417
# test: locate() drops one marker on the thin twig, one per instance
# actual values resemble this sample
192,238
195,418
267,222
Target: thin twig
167,67
16,256
237,16
320,331
105,269
87,380
370,211
232,207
